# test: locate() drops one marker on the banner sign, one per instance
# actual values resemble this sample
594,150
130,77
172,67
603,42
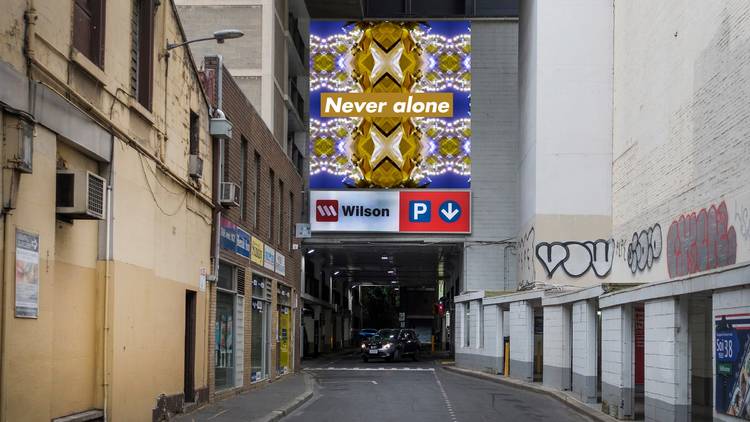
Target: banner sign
269,258
390,104
280,263
233,238
257,250
733,365
391,211
27,274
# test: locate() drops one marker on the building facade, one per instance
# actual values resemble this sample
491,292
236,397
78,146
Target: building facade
631,254
255,301
104,220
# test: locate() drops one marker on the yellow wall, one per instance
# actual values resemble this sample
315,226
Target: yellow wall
56,365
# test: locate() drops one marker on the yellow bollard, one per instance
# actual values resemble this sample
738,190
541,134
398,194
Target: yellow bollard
506,356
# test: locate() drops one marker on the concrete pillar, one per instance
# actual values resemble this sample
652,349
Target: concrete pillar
475,308
666,361
557,347
522,340
617,361
490,330
585,350
501,332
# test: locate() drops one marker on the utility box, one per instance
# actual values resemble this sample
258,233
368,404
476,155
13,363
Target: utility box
220,127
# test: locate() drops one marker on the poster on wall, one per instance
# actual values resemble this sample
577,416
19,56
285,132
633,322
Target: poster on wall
269,258
733,365
27,274
390,104
257,250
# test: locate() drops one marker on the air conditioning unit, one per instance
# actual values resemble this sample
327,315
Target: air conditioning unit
80,195
195,166
229,194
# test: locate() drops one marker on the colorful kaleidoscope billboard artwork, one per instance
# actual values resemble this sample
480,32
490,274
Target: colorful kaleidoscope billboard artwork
390,105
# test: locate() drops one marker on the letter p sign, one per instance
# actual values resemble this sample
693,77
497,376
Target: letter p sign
419,211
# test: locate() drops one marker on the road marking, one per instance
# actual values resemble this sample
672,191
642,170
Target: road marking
218,414
447,401
347,381
330,368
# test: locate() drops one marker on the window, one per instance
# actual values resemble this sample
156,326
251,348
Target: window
142,51
88,29
257,190
272,207
243,179
281,213
260,323
194,133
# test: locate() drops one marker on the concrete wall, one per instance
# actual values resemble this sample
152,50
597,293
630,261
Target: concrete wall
494,152
565,79
617,362
557,347
584,350
521,327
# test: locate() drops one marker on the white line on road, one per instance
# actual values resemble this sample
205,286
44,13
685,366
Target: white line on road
347,381
447,401
330,368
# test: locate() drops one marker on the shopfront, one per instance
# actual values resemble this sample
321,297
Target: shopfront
284,337
261,323
229,337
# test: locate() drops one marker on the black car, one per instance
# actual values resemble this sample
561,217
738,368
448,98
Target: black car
391,344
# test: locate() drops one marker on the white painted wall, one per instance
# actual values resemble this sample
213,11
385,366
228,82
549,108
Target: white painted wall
521,321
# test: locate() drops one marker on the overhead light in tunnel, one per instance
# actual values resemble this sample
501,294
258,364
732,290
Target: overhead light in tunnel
384,257
391,272
310,251
336,272
394,282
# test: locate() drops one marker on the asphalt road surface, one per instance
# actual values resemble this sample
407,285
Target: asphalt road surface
348,389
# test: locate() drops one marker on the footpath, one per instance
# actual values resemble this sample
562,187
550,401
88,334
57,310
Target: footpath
268,403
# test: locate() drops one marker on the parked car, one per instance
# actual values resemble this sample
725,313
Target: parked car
391,344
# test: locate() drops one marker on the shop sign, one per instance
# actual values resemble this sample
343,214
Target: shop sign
243,243
732,356
269,258
257,250
228,235
391,211
280,263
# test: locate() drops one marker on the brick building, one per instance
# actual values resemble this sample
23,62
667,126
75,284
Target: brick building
254,301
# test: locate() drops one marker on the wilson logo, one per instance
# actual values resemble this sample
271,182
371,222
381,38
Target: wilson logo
326,210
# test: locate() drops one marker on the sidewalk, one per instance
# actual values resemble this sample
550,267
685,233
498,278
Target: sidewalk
269,403
591,411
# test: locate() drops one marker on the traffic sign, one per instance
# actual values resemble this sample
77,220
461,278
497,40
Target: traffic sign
429,211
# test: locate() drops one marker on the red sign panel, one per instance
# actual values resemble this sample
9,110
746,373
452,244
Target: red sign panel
327,210
435,211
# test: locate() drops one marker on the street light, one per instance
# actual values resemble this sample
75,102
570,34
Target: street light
219,36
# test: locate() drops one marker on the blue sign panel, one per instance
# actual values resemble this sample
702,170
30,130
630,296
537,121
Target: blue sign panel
243,243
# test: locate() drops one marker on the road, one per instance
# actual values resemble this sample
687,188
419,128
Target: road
348,389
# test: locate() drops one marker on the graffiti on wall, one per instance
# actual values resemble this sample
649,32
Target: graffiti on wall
742,217
644,248
577,258
526,271
701,241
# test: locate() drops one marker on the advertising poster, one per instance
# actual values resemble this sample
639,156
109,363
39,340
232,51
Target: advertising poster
733,365
269,258
227,235
280,263
27,274
257,248
242,247
284,326
390,104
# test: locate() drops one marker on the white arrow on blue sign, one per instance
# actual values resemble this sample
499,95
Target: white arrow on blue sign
450,211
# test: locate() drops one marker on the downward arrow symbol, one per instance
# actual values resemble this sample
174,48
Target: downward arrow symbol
450,212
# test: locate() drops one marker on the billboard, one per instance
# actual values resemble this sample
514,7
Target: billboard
732,358
390,105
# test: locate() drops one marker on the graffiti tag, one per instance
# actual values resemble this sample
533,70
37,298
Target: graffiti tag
700,242
577,258
644,248
526,271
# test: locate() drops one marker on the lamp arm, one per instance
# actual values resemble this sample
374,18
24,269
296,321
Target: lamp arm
171,46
